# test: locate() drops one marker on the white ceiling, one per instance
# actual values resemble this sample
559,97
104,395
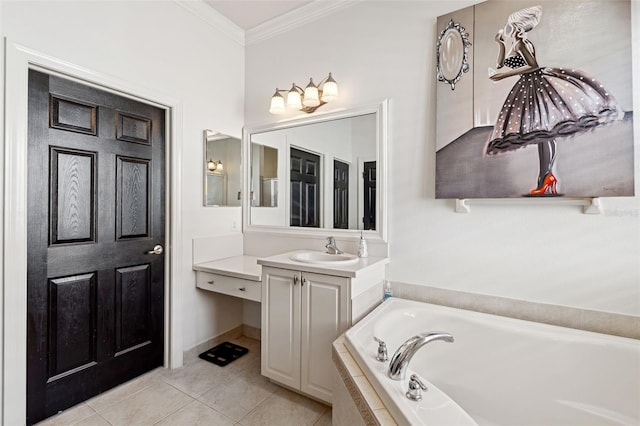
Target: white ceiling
251,13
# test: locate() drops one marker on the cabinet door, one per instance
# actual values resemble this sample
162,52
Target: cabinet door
325,316
281,326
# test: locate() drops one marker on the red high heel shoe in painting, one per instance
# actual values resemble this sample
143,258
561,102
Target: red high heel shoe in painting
549,186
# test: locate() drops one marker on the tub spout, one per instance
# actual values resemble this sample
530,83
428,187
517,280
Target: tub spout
400,360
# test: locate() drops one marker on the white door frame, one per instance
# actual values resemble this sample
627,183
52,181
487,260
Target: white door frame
14,250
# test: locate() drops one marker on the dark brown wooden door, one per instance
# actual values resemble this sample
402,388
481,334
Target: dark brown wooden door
96,202
305,189
340,195
369,175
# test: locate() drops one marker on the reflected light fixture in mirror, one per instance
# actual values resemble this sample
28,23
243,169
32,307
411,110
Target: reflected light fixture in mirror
307,100
213,166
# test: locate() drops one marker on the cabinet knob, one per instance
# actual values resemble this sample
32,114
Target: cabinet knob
242,289
295,279
304,281
210,282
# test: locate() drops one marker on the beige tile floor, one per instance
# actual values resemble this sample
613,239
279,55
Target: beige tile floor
200,393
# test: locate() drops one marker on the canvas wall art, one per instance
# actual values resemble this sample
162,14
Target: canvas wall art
534,99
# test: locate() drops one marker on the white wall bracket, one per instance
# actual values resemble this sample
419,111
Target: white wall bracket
589,205
462,206
593,206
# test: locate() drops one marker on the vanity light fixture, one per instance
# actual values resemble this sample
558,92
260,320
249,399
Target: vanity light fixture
214,166
307,100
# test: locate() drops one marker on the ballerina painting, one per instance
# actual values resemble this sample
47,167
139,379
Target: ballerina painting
551,116
545,104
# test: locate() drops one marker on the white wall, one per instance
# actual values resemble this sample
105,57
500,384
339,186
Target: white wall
162,47
549,253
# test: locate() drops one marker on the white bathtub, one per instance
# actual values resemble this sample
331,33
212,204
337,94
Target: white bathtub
500,371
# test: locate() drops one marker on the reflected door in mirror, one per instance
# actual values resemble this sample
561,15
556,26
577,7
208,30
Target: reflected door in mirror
265,173
305,189
340,195
369,175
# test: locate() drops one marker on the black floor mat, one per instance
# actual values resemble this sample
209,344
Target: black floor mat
224,353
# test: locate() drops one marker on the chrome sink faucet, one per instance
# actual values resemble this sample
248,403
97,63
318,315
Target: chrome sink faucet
331,246
400,359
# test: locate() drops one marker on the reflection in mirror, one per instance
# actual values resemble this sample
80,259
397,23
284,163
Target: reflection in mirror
221,169
264,176
329,170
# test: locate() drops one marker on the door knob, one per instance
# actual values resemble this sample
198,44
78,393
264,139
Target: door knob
156,250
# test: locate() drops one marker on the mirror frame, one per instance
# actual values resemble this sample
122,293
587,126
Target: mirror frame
380,109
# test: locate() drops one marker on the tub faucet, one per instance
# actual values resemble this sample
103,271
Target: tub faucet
331,246
400,359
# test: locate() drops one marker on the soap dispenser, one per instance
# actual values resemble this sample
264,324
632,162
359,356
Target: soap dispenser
362,247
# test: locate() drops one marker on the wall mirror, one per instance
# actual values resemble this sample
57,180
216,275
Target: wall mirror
319,173
222,177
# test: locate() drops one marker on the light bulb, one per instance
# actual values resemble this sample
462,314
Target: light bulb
277,103
293,98
219,166
330,89
311,95
211,165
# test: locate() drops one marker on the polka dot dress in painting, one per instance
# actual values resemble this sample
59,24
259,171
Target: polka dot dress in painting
549,103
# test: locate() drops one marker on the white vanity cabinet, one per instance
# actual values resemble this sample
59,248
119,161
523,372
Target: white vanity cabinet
303,313
304,309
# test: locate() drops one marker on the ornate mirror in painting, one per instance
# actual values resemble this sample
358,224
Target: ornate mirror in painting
548,111
451,54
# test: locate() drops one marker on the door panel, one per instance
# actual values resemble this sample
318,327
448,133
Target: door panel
73,195
133,129
280,326
324,317
133,287
72,320
72,115
133,193
96,200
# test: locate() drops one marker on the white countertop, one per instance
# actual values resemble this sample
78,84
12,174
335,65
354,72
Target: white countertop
244,267
284,261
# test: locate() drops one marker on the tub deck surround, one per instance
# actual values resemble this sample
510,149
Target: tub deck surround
238,276
564,316
499,370
356,270
366,408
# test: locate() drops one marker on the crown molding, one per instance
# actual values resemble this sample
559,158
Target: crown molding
215,19
295,18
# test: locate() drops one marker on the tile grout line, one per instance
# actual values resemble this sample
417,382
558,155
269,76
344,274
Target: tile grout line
179,408
271,395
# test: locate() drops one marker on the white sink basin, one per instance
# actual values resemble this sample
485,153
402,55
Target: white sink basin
320,258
